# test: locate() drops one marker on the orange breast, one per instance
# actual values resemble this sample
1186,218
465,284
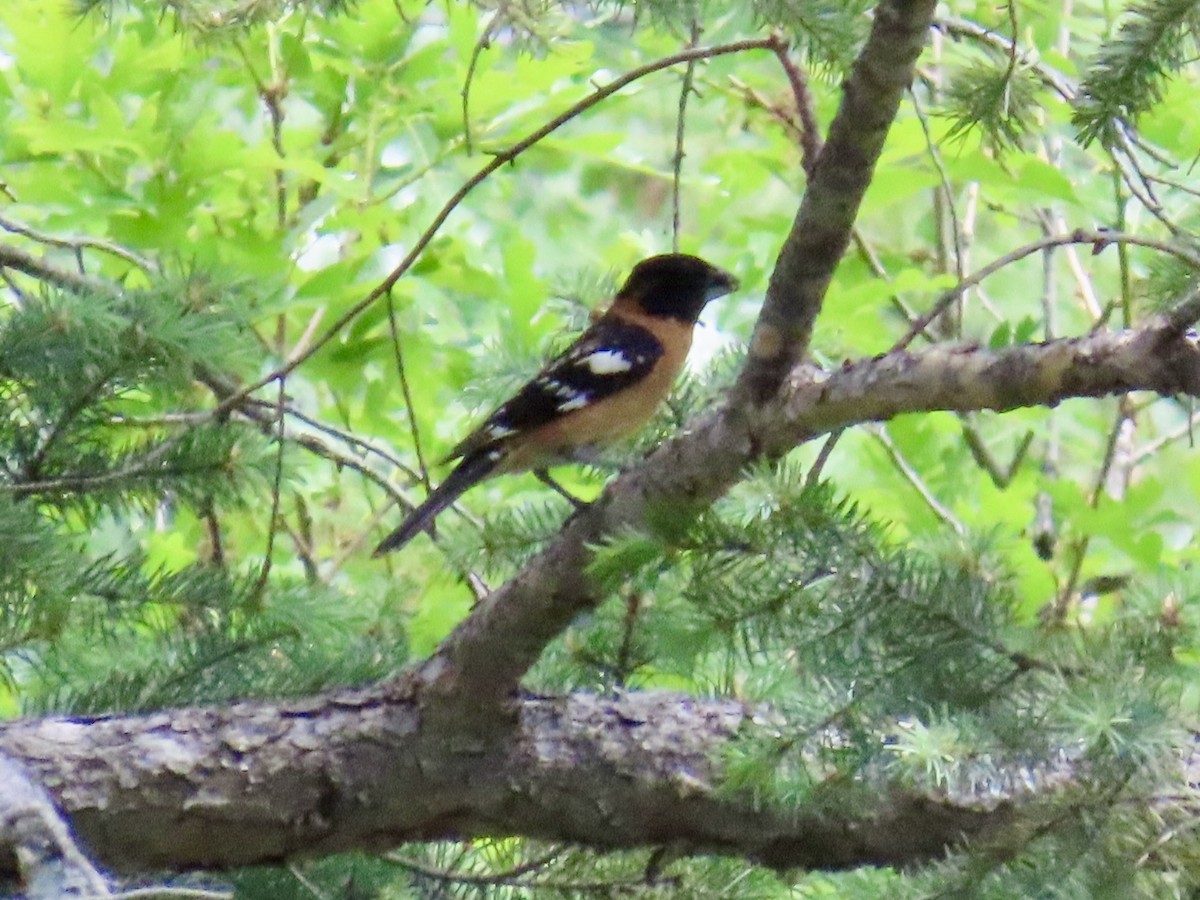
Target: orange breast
614,417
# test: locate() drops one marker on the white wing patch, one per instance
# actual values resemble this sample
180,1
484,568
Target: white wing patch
497,430
556,388
579,401
610,357
607,362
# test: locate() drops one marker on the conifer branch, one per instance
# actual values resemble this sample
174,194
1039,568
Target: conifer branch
1128,74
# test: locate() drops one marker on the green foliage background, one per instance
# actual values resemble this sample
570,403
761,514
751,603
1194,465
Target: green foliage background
219,182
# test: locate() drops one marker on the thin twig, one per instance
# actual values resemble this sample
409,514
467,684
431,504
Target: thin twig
912,477
351,440
875,264
170,893
1056,611
498,161
685,90
276,488
483,43
1001,476
624,663
1053,222
814,473
754,98
1110,451
314,321
810,131
121,420
1130,172
302,537
409,409
1176,185
524,868
77,243
216,554
271,94
1015,28
946,192
1098,238
1170,437
306,883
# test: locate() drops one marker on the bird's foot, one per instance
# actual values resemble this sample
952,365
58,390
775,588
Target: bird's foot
544,477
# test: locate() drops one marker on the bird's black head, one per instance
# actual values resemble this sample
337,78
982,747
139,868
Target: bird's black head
676,285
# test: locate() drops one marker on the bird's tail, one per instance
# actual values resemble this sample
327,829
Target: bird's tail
466,475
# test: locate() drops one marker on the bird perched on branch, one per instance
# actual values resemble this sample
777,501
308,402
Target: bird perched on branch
604,387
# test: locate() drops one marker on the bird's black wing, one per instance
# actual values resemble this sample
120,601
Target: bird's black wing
607,358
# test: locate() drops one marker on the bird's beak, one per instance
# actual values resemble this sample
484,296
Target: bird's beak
722,284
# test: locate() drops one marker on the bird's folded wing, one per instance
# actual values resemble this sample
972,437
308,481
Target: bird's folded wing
611,356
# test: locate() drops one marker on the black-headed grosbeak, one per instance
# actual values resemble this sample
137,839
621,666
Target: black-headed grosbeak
604,387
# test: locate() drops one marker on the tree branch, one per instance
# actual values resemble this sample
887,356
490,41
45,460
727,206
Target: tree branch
13,258
483,659
263,783
820,232
36,844
441,752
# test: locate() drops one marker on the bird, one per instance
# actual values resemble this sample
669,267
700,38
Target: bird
605,386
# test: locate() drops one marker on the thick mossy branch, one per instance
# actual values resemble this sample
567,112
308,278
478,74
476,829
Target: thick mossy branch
219,788
256,783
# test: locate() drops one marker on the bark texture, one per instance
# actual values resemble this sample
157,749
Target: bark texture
445,751
438,753
263,783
